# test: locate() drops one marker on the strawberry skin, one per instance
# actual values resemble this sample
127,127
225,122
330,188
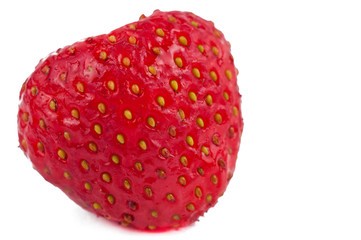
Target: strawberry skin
142,125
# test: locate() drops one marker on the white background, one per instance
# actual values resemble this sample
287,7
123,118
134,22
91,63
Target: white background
298,175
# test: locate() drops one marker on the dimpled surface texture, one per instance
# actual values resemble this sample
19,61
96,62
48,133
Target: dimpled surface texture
142,125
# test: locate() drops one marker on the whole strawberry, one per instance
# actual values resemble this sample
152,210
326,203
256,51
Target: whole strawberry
142,125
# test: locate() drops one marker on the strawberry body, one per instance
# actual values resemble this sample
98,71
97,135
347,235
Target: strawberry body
141,125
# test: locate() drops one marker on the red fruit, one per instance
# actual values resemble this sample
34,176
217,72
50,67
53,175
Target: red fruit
142,125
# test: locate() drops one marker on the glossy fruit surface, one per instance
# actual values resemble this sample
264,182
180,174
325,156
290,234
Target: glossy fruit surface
141,125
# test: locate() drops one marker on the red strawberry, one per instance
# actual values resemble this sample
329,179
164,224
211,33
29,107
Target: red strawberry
142,125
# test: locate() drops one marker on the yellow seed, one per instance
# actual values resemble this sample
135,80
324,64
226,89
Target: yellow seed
93,147
217,33
151,122
184,161
215,51
172,19
221,163
98,129
138,166
75,113
176,217
97,206
213,75
156,50
228,74
190,141
42,123
151,227
120,138
208,198
201,48
46,69
229,151
115,159
128,114
235,111
126,184
67,190
103,55
159,32
200,171
135,89
25,117
24,144
190,207
181,114
63,76
209,100
126,61
71,50
218,118
142,145
170,197
87,186
34,91
174,85
165,152
152,70
128,218
214,179
106,177
52,105
200,122
132,205
205,150
132,26
112,39
132,40
148,191
62,154
154,213
110,199
161,101
172,131
226,96
196,72
67,175
194,23
192,96
80,87
101,107
111,85
182,180
40,146
161,173
178,61
85,164
67,136
182,40
215,140
198,192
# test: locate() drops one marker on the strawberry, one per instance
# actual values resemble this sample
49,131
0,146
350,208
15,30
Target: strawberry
142,125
